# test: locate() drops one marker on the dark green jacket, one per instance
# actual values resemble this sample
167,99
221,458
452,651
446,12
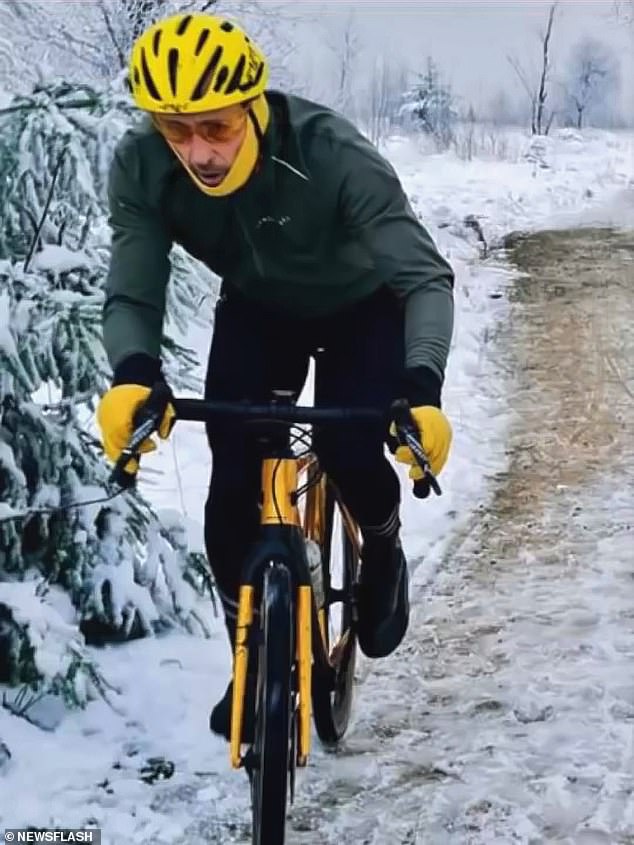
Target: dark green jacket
322,224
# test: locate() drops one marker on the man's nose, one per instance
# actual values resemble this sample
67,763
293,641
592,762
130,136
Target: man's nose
200,151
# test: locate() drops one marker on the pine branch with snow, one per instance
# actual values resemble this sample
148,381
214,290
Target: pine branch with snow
41,654
124,574
430,106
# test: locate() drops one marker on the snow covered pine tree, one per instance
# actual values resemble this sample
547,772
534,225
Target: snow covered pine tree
430,105
112,570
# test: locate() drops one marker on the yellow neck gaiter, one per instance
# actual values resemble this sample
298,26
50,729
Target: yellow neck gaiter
247,157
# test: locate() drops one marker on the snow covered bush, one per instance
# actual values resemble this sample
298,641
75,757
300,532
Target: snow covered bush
430,106
122,570
42,656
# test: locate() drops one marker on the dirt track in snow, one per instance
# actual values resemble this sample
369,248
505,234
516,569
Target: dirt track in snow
508,715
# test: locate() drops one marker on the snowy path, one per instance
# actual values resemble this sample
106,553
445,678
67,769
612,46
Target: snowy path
509,714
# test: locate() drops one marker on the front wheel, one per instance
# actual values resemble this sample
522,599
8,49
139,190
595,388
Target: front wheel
273,722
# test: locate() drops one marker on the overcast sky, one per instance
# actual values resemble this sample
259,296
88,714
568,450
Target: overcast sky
471,40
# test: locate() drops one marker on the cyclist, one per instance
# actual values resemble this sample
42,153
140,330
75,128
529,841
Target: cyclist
320,254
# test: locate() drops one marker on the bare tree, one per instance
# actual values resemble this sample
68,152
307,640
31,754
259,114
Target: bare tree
33,37
623,10
378,100
543,81
92,40
592,76
89,40
382,97
464,140
538,93
125,20
140,14
528,88
343,42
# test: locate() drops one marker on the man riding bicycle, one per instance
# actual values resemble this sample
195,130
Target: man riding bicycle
320,255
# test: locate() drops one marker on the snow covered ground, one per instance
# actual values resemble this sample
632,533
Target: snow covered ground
442,728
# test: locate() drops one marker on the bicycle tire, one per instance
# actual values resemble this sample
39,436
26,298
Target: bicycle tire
332,700
273,721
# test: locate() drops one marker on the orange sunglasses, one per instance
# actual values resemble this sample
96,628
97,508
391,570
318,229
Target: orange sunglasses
226,128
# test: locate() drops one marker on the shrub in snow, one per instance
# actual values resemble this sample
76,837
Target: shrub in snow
537,152
430,106
123,571
41,655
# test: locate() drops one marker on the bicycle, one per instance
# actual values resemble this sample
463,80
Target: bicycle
288,595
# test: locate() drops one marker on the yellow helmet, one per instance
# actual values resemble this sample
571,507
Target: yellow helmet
194,62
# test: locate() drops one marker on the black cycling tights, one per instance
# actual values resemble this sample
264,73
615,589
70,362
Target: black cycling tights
359,357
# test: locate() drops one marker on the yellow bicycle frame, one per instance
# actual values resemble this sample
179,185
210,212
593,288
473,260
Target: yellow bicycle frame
279,507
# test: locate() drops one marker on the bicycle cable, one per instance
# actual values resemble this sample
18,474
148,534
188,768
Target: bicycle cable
60,508
302,438
306,487
276,505
299,436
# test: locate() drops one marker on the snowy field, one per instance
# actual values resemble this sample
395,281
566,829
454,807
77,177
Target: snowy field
89,769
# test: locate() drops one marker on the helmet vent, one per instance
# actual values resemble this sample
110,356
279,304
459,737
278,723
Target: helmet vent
204,35
204,82
147,78
180,29
221,78
137,76
156,41
225,26
236,79
172,68
250,83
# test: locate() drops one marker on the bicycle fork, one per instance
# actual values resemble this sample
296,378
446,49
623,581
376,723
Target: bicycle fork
281,534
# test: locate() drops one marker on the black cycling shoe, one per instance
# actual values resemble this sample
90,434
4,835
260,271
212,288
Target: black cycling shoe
220,718
383,597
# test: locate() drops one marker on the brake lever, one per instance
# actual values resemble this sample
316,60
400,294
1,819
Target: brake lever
407,434
146,421
429,479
